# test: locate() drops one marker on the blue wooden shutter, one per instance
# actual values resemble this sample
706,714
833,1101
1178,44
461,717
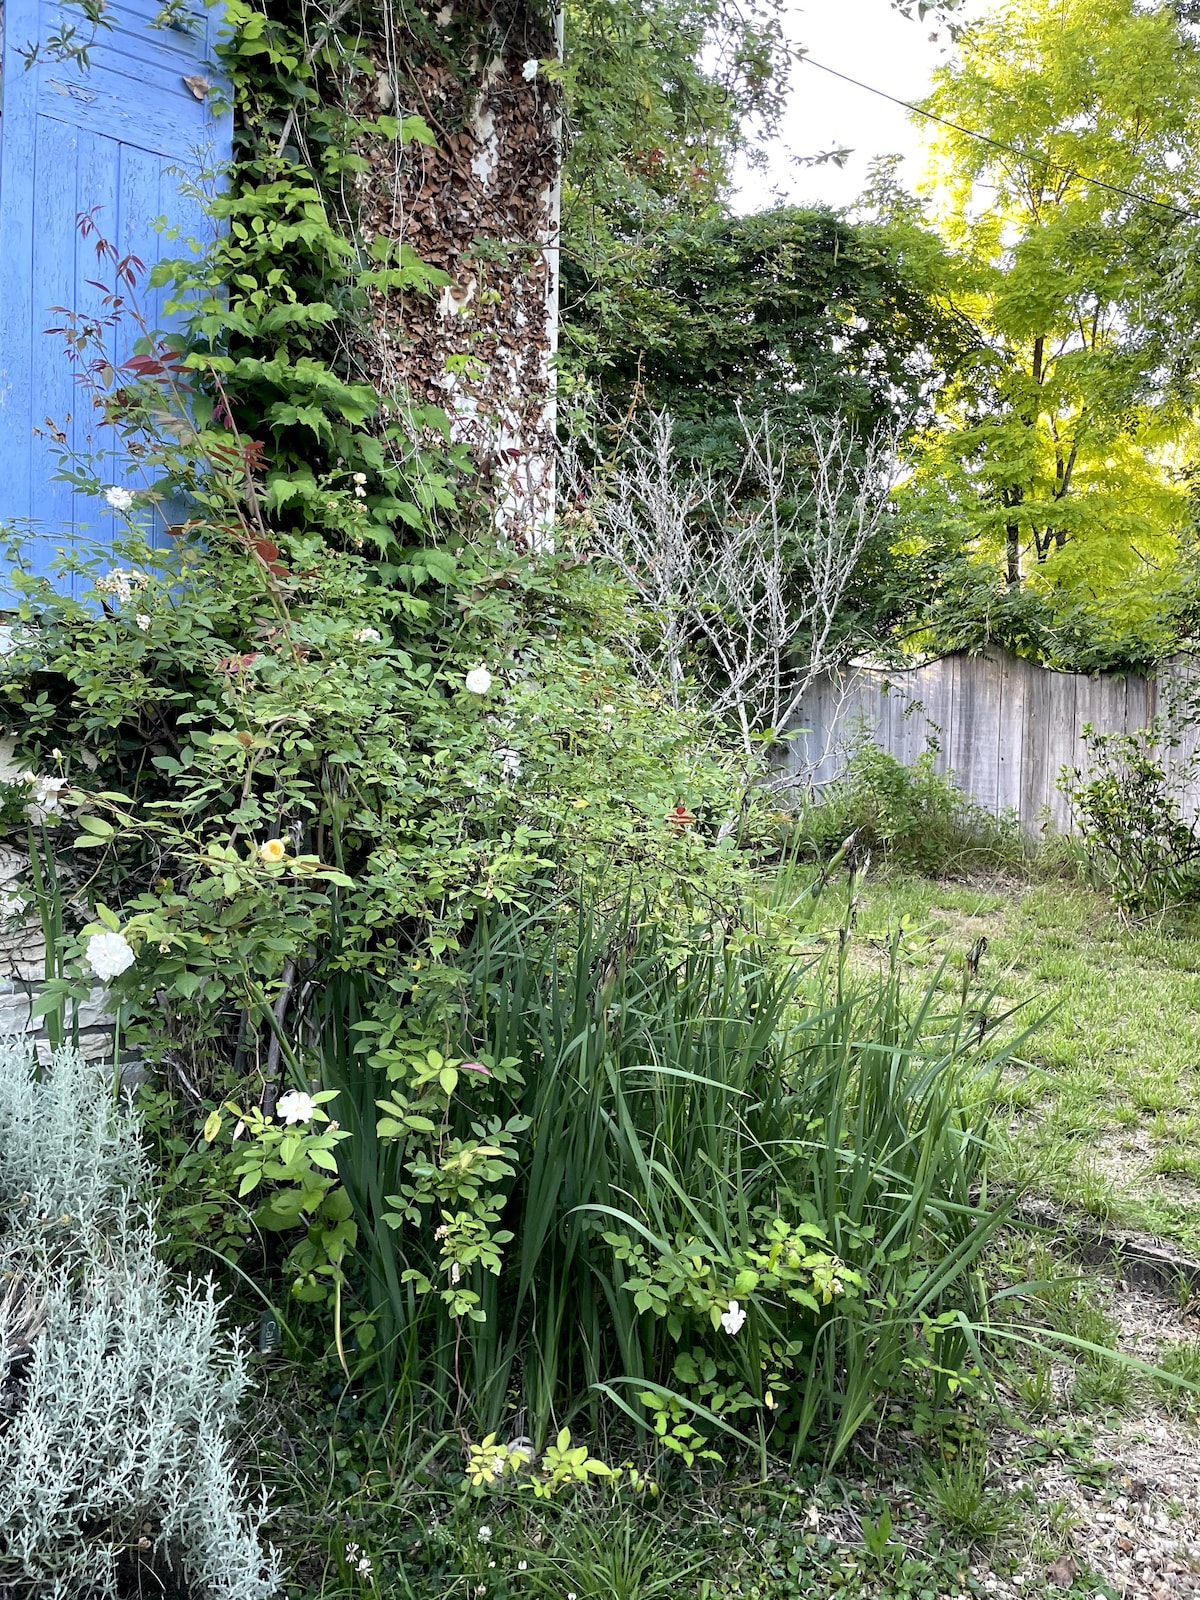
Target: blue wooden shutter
120,135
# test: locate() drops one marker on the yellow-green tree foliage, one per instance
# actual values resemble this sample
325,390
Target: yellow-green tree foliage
1064,164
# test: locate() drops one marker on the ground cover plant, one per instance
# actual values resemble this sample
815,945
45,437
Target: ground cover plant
800,1536
910,817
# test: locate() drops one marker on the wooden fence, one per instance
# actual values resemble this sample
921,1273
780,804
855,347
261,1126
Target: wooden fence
1004,727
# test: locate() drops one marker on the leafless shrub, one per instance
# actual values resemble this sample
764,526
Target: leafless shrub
741,578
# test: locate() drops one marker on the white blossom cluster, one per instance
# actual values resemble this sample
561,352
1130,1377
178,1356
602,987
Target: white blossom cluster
123,584
127,1388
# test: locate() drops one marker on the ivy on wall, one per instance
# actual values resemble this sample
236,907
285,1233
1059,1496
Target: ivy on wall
278,307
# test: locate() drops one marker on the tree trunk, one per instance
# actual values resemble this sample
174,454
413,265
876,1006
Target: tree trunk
482,205
1012,498
1012,536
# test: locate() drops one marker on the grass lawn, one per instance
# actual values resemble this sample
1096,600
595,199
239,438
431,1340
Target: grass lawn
1106,1115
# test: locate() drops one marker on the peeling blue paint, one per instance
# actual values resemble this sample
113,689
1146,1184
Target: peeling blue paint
123,135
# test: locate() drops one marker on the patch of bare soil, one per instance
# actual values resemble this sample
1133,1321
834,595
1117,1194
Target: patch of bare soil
1138,1527
1126,1160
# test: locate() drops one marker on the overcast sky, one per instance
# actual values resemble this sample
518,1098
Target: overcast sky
869,41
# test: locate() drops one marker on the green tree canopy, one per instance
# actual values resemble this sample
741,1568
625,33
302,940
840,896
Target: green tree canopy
1060,177
658,95
790,311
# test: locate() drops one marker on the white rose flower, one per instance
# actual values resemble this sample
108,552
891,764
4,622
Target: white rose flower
109,955
119,499
530,70
479,680
368,636
46,798
296,1106
733,1319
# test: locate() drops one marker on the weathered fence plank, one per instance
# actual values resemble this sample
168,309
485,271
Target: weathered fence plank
1038,772
963,748
1011,754
1004,727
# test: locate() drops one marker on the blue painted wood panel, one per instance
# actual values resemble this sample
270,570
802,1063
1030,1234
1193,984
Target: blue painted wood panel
124,136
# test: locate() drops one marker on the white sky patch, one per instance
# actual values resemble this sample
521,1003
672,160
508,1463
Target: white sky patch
869,41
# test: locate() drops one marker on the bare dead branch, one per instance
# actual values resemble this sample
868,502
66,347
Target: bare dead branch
741,579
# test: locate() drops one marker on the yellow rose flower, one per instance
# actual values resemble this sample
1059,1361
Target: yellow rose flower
274,850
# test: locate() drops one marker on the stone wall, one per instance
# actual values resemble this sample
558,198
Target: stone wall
23,957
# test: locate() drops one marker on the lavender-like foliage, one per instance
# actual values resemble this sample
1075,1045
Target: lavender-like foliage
118,1389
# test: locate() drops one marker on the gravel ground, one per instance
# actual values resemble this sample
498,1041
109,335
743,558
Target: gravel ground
1140,1529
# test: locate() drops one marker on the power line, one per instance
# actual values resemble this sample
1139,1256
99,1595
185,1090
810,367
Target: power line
996,144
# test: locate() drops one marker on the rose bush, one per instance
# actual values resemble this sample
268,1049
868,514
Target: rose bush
301,769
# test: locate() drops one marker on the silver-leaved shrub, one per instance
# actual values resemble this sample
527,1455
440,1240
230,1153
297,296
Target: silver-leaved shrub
121,1389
